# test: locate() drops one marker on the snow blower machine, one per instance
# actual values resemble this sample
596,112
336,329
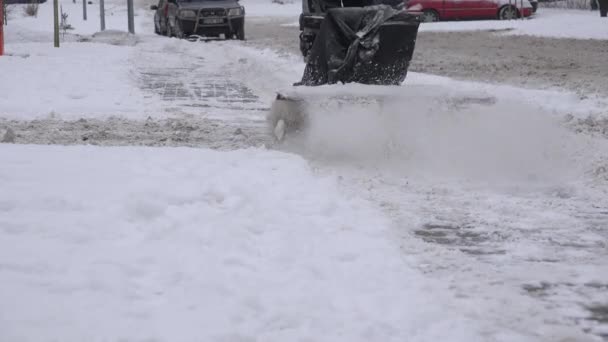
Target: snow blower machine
366,42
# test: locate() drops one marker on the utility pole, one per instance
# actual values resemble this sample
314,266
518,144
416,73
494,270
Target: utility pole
130,15
102,15
84,9
56,22
1,27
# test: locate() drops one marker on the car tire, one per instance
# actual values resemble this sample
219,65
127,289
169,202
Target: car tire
508,12
429,16
240,32
167,32
177,30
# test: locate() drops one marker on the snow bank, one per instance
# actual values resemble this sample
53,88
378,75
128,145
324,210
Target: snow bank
183,244
546,23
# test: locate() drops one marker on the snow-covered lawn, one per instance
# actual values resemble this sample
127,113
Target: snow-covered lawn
77,80
22,28
546,22
134,244
97,78
39,29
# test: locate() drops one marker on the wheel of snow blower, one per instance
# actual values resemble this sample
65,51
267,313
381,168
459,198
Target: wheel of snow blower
287,115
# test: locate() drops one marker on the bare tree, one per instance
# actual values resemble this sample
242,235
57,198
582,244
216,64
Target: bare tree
6,11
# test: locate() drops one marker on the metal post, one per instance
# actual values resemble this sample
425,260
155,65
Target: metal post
130,15
1,27
84,9
102,15
56,22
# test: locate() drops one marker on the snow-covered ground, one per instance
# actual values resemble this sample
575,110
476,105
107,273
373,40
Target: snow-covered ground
77,80
187,244
467,212
546,22
505,188
96,75
265,9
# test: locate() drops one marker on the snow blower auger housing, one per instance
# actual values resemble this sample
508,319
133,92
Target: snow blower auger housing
369,42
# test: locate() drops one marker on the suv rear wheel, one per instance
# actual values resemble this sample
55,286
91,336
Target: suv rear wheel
176,30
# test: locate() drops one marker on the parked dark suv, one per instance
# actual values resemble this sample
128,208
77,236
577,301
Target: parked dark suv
206,18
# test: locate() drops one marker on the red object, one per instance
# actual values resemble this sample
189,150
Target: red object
1,27
468,9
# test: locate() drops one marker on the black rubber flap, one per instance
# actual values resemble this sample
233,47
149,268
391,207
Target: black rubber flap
369,45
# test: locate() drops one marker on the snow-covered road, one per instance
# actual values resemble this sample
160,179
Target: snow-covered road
467,212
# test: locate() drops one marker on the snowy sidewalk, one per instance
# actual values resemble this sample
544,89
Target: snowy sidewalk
193,245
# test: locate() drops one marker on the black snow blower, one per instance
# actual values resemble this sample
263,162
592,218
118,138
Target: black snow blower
367,42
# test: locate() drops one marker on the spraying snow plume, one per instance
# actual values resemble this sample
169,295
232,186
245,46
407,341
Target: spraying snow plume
446,134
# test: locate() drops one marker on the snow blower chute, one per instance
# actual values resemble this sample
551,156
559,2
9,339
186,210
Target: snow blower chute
369,42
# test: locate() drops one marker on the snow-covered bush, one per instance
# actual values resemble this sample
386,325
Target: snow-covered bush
31,9
64,26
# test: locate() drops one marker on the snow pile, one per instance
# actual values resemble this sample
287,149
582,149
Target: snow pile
115,37
184,244
546,23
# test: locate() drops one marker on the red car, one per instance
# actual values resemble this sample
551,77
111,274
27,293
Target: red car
434,10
